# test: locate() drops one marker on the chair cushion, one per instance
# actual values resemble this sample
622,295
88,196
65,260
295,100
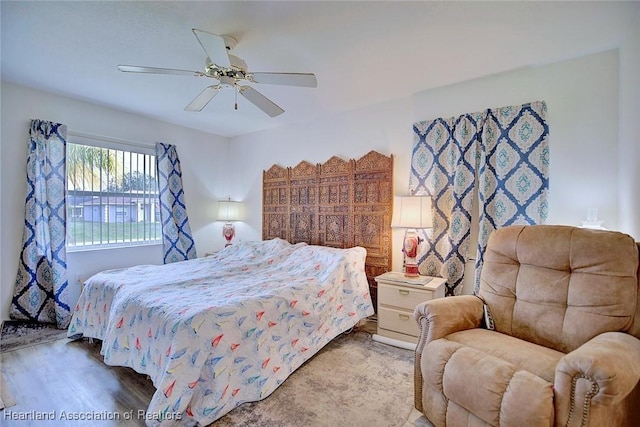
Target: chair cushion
540,361
559,286
492,389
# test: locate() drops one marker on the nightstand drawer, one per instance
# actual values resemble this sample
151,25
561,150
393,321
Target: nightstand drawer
398,295
402,296
398,321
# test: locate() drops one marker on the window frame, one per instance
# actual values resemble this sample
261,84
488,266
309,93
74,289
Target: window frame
121,147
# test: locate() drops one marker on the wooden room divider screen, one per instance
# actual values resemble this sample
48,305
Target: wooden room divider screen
339,203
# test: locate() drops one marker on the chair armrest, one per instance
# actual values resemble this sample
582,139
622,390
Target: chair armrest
443,316
438,318
601,372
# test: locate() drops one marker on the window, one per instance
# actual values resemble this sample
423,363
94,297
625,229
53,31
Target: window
112,197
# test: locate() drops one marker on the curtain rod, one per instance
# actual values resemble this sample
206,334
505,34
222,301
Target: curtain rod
109,139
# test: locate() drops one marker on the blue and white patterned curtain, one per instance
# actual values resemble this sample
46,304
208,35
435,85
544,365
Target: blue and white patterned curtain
176,234
508,149
443,166
41,289
514,172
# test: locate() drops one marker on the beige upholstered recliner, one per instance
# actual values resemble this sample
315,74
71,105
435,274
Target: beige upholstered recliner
566,348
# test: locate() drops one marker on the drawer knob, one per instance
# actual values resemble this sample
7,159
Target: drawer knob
403,316
403,291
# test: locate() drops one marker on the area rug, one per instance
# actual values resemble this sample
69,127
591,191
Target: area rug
6,397
353,381
19,334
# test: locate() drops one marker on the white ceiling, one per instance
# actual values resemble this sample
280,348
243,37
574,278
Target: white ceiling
362,52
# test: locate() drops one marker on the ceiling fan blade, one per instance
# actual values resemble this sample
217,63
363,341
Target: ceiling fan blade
214,46
153,70
203,98
260,101
289,79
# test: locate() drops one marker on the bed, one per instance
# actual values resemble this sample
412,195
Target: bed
215,332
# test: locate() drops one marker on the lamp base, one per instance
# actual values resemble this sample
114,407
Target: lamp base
410,249
411,270
228,231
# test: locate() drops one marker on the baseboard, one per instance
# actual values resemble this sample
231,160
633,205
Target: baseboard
394,342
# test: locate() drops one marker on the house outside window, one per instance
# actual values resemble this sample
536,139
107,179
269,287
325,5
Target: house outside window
112,196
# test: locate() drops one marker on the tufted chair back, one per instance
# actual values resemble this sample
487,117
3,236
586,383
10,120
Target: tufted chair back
558,286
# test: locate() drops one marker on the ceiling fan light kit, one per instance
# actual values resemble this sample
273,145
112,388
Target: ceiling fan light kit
230,71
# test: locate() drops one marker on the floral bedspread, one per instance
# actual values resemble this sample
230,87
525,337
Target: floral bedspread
215,332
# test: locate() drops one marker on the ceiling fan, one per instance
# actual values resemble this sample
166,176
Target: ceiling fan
230,71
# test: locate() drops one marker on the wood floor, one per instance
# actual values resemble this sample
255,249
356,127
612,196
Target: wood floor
66,383
70,378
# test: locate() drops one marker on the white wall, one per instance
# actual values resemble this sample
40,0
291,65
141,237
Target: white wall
202,158
582,101
629,155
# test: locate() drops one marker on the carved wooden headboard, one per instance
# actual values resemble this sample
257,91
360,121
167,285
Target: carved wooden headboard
339,203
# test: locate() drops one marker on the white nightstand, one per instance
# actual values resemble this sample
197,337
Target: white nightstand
398,296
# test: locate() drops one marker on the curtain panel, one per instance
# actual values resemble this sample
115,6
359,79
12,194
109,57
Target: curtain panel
177,241
505,150
443,166
41,287
514,172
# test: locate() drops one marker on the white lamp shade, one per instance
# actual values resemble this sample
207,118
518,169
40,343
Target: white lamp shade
412,212
229,211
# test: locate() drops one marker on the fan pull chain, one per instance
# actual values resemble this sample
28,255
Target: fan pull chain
236,105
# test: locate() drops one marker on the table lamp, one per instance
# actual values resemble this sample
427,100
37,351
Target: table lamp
411,213
229,211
